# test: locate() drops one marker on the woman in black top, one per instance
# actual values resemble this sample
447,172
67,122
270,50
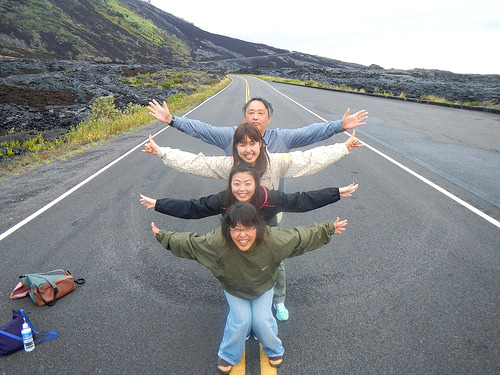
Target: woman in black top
244,186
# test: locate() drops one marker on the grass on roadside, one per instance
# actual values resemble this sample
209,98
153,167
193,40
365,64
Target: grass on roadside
104,121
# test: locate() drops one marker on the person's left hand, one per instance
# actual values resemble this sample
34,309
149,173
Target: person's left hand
151,147
352,142
351,121
149,202
155,228
339,225
347,191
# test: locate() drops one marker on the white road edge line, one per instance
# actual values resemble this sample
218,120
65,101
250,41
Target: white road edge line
88,179
413,173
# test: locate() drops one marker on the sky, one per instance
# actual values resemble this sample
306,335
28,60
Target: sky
455,35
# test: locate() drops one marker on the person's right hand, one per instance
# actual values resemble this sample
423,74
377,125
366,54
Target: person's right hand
151,147
339,225
160,112
346,191
148,202
352,142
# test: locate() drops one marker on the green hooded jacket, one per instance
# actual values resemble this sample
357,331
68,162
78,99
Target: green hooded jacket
246,274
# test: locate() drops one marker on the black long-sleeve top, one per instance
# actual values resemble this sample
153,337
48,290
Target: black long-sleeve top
273,202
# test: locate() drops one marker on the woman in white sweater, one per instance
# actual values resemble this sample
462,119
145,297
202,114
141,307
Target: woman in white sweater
249,147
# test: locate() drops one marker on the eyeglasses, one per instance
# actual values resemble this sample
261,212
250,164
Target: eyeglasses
241,230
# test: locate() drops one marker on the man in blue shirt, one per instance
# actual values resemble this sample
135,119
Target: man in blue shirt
258,111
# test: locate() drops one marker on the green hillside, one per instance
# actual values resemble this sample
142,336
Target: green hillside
99,30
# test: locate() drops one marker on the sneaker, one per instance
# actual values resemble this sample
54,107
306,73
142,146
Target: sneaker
253,335
281,312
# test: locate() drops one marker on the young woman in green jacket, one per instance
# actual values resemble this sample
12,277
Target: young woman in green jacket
244,255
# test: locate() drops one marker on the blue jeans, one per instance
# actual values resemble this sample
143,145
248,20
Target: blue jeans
245,315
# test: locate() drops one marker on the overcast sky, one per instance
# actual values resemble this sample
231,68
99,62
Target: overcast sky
456,35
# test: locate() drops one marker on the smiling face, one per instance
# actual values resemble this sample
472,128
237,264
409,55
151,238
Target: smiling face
257,114
243,237
243,186
249,150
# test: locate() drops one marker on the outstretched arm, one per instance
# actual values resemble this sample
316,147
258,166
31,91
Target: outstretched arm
219,136
190,245
304,163
309,200
317,132
301,201
306,238
187,209
187,162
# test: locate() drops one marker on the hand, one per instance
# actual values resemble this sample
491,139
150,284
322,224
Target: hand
352,142
160,112
339,226
151,147
148,202
155,228
345,191
350,122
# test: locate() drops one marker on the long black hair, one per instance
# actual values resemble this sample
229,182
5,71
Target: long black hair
246,215
252,132
257,198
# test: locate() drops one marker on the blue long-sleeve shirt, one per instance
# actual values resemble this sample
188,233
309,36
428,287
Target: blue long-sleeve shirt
276,140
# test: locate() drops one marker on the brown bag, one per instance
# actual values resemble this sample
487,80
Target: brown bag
46,288
47,295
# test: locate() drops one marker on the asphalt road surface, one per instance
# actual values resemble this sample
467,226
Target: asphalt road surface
411,287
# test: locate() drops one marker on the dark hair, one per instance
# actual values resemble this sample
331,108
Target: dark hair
252,132
268,106
246,215
256,199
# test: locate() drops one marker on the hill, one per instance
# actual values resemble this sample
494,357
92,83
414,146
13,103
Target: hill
130,31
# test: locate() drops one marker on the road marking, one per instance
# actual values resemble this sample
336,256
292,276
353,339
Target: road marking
239,369
265,367
22,223
413,173
247,90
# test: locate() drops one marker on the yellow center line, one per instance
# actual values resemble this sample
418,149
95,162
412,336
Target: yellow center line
265,367
247,90
239,369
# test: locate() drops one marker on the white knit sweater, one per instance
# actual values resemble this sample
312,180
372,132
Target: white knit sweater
282,165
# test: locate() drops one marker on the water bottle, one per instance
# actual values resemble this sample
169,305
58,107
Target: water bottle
27,335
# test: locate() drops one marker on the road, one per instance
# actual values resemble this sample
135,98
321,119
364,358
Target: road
412,286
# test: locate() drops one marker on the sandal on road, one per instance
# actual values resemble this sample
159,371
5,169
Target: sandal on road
223,367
